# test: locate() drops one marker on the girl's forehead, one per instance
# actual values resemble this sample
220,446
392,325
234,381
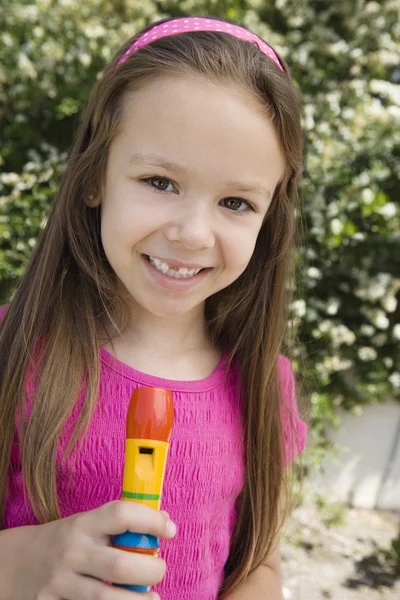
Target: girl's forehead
191,119
174,92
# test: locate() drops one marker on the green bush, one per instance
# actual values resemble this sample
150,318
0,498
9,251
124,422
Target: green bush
344,57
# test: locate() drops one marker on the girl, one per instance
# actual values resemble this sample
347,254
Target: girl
165,262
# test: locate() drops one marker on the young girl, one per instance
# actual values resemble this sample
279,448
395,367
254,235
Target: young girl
166,261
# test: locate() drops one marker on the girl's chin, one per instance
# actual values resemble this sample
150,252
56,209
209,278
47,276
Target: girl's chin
171,310
160,306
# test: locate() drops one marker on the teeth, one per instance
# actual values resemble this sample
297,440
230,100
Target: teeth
164,268
183,273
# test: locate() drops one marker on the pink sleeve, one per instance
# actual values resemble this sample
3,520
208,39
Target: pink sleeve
294,429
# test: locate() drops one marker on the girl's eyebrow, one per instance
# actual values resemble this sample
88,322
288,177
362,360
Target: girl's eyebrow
251,188
156,160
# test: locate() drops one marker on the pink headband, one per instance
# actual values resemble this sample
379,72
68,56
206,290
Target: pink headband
183,25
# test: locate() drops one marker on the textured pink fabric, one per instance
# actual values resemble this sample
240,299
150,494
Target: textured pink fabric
185,24
204,473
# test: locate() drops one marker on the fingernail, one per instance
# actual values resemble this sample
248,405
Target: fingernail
171,528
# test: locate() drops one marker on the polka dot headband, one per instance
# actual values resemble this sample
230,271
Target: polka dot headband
182,25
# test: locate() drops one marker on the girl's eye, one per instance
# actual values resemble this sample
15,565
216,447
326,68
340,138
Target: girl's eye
159,184
237,205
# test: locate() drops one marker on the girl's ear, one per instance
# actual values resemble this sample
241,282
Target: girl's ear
93,200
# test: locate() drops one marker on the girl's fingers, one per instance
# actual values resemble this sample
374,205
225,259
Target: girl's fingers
120,566
119,516
84,588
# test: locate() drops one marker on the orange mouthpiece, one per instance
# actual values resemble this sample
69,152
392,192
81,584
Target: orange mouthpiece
150,415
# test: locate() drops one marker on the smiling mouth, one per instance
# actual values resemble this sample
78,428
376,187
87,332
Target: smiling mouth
182,273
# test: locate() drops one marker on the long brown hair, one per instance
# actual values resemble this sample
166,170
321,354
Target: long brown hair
69,287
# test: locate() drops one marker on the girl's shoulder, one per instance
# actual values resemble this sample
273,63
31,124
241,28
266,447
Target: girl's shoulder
287,377
295,429
284,364
288,382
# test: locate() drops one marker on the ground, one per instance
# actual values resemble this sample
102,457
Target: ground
332,552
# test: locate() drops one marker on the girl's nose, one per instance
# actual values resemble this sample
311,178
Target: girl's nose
192,227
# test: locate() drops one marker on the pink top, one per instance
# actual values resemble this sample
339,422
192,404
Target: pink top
204,473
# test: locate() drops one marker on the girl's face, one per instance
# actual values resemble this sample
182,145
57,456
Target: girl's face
189,181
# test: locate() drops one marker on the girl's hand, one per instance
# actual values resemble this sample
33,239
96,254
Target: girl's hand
68,558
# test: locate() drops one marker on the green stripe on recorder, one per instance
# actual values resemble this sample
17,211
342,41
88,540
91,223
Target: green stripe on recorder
136,496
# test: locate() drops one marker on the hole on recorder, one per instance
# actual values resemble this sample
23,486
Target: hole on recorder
145,450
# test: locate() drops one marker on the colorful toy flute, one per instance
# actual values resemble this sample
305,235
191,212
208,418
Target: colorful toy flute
148,431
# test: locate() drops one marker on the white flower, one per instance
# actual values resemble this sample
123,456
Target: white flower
9,178
388,210
396,331
367,196
85,59
336,226
372,8
394,379
325,326
366,353
299,308
342,335
314,273
389,303
367,330
332,306
336,363
382,321
391,90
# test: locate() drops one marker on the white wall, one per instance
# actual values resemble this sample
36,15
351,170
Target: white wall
366,470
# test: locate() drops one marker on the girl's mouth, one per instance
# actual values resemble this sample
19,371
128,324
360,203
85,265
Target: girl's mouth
182,273
181,279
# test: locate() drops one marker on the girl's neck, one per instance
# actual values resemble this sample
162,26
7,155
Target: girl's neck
170,347
163,337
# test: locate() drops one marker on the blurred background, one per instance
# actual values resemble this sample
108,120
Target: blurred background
343,541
